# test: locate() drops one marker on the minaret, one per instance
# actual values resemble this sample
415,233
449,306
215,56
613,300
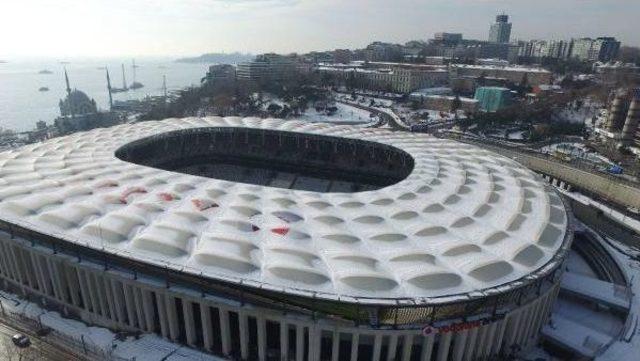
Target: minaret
109,89
66,79
133,68
69,98
124,80
164,87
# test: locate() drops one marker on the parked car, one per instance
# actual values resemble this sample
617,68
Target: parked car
21,340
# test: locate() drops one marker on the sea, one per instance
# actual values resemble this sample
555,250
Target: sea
22,105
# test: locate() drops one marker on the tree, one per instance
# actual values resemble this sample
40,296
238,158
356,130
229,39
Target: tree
482,79
456,104
274,109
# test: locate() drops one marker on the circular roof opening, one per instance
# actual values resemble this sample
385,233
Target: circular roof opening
273,158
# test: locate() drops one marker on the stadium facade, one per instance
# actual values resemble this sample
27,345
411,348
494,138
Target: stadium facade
265,239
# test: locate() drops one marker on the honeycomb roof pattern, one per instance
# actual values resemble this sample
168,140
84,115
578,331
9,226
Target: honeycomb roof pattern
464,220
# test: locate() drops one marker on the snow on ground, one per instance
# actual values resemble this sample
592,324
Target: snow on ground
576,150
611,213
366,100
578,265
345,114
627,348
507,134
149,347
602,323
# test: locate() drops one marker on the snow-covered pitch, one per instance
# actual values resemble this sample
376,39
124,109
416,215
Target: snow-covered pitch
463,221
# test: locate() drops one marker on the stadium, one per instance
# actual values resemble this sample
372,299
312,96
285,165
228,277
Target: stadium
283,240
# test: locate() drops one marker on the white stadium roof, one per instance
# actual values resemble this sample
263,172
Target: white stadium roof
464,220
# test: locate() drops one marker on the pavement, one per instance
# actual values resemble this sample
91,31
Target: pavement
41,349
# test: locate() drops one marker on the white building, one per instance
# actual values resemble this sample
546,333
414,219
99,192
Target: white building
452,253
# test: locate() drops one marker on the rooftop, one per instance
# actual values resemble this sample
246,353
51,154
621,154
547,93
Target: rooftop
462,220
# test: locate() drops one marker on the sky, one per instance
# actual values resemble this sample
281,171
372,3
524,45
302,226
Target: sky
112,28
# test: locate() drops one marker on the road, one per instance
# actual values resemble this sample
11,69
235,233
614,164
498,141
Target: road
40,348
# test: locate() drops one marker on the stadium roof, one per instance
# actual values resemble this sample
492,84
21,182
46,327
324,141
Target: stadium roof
464,220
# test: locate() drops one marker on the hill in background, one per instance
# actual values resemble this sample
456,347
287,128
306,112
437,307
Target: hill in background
231,58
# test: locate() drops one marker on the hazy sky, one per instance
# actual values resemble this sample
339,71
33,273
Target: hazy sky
67,28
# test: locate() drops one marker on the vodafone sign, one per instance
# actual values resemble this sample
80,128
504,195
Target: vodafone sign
454,327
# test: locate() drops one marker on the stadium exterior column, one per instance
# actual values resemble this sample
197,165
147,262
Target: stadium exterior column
38,271
262,338
147,305
16,265
427,347
406,347
3,261
106,286
483,332
284,341
377,347
443,346
489,340
102,302
52,275
471,344
335,345
137,298
459,344
31,274
530,323
316,341
243,326
392,349
540,314
225,333
512,329
172,317
118,301
355,342
162,314
6,253
526,317
84,292
95,302
72,281
207,327
500,330
189,324
299,342
130,304
62,281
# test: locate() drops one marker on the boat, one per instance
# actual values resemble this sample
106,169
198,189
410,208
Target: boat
45,71
135,85
43,89
124,84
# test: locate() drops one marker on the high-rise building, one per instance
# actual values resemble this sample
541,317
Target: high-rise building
600,49
607,48
267,67
448,38
500,31
492,99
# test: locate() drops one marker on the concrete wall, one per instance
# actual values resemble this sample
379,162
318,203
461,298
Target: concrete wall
122,301
616,192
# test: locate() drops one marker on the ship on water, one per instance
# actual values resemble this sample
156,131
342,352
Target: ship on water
45,71
124,84
135,85
43,89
